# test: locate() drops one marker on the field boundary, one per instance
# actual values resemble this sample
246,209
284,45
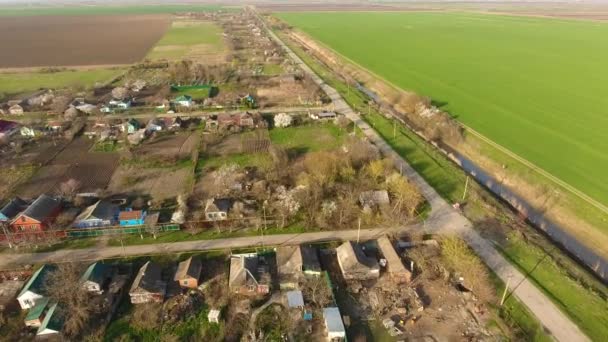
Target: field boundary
559,182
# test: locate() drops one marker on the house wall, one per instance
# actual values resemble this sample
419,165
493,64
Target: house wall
27,224
92,223
28,300
134,222
140,298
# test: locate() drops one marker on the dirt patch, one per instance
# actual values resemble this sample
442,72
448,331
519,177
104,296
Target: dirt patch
176,146
78,40
158,183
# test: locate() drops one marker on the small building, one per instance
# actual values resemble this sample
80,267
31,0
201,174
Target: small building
355,265
15,110
120,104
52,322
57,126
325,115
295,300
132,218
248,276
214,316
34,290
35,315
155,125
184,101
100,214
244,120
373,199
96,277
294,262
38,216
12,208
130,126
173,123
217,209
26,131
188,272
148,286
334,327
394,266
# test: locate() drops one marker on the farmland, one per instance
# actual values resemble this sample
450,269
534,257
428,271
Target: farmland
12,83
194,39
516,80
103,10
79,40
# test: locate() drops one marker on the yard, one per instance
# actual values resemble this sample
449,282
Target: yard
190,39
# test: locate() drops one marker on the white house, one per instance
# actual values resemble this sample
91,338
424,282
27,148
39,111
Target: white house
333,324
33,291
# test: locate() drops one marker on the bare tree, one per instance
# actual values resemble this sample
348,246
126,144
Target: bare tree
316,291
69,188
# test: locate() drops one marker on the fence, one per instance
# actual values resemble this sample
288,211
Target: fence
88,232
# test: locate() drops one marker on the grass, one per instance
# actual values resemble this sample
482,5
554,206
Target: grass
585,306
517,80
11,83
185,37
309,138
272,69
14,11
197,94
260,160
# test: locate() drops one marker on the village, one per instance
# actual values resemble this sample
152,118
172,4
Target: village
238,143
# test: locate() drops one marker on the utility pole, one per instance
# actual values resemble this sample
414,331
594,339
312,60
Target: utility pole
466,185
8,238
504,294
359,230
394,129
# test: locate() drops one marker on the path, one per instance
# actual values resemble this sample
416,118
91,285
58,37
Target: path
444,219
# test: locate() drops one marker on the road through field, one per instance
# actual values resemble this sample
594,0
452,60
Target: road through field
446,220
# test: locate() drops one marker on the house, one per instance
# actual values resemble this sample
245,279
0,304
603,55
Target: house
334,328
35,315
217,209
96,277
100,214
132,218
173,123
16,110
120,104
8,128
38,216
248,275
184,101
26,131
214,316
188,273
294,262
394,266
373,198
56,126
131,126
155,125
355,265
52,322
324,115
244,120
12,208
148,285
34,291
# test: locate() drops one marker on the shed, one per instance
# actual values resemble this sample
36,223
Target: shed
214,316
333,324
394,266
188,272
35,316
355,265
52,323
295,299
373,198
217,209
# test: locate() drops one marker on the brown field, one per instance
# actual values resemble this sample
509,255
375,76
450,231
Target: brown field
93,170
78,40
158,183
176,146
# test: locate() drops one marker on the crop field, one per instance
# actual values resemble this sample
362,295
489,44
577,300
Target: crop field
79,40
189,38
12,83
533,85
102,9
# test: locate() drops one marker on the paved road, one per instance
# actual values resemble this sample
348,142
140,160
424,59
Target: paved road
444,219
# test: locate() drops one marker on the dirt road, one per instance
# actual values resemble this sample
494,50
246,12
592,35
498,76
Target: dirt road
446,220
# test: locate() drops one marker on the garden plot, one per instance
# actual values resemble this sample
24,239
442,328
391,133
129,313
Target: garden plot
169,146
158,183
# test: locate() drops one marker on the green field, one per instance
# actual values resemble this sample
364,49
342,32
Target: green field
188,37
14,11
536,86
11,83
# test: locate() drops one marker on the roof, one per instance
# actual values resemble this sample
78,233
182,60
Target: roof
14,207
351,257
7,125
374,197
148,279
219,204
242,268
333,320
214,314
326,115
130,215
102,210
294,259
51,321
295,299
96,273
42,208
190,267
37,310
37,281
184,98
394,263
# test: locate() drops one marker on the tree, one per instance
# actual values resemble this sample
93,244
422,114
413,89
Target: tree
285,204
69,188
316,291
75,305
283,120
406,197
120,93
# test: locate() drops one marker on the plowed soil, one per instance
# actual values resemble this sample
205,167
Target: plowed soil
78,40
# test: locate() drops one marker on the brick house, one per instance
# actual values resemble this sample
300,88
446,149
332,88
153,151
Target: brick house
38,216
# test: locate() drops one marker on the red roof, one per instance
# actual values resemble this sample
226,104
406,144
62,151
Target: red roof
129,215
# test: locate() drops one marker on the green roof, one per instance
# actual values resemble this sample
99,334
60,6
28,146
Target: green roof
184,98
52,321
37,310
95,273
37,280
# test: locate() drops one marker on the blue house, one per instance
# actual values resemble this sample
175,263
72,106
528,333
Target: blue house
100,214
132,218
12,208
